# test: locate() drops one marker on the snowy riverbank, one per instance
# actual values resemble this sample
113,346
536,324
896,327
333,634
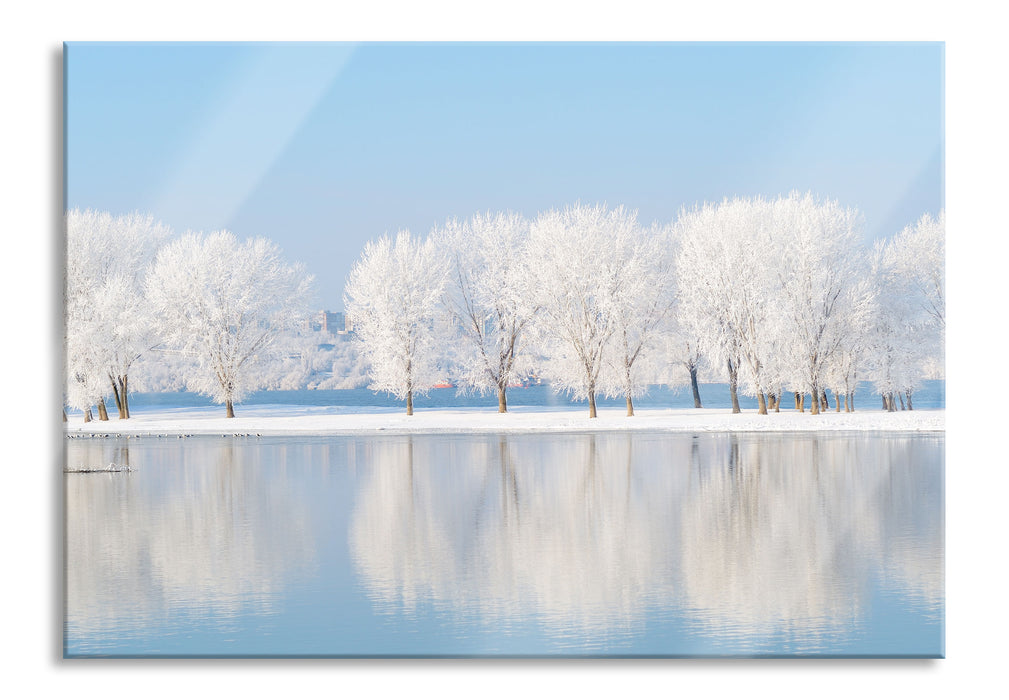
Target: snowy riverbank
312,420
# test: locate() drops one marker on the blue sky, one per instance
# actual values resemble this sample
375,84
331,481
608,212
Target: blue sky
322,147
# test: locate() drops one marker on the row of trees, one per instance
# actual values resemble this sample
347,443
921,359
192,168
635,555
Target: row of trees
779,296
131,286
779,293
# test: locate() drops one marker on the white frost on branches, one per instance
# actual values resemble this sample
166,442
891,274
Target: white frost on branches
723,267
917,257
576,273
107,325
487,296
909,321
393,300
640,306
823,292
779,293
224,303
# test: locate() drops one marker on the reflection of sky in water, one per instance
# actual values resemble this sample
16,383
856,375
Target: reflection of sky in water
518,544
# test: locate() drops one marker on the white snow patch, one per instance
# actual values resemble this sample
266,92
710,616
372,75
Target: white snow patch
316,420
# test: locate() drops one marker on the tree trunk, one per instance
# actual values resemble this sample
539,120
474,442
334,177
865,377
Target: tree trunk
229,407
761,404
908,394
630,406
409,402
886,406
87,415
124,396
901,397
849,402
733,380
502,401
814,402
837,401
800,402
823,400
592,403
64,412
115,396
103,413
693,386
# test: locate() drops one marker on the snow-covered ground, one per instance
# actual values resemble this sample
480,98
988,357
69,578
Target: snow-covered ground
314,420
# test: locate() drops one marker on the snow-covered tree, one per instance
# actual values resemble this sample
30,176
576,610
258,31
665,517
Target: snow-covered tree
818,283
894,349
909,320
689,341
682,351
915,260
488,299
107,324
224,303
726,253
393,298
641,304
575,273
918,256
86,381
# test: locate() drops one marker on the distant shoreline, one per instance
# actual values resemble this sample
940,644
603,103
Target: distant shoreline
273,420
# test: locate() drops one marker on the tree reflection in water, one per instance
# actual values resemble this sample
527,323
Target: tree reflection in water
751,535
201,526
654,542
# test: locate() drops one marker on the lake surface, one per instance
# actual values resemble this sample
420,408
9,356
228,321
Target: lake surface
623,544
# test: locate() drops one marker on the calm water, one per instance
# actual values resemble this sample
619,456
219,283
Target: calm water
611,544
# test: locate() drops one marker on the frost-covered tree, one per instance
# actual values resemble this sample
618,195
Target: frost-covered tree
909,320
843,371
682,351
107,323
641,304
894,350
691,339
723,266
575,276
919,253
917,270
821,298
393,298
487,296
86,381
224,303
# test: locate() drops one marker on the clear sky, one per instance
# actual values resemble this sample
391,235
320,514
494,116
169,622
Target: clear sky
321,147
